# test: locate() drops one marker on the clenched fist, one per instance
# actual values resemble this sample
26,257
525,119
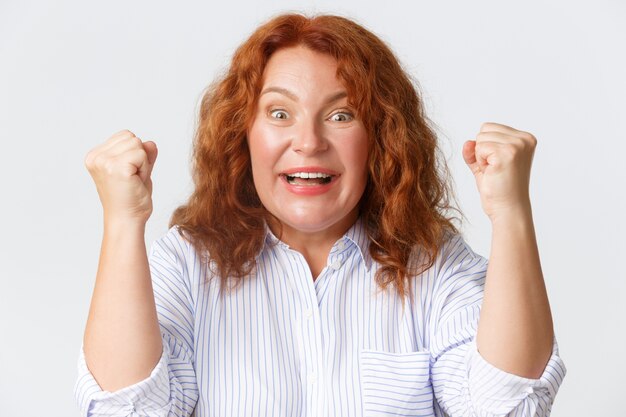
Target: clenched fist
500,159
121,168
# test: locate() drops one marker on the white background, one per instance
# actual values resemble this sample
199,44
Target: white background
72,73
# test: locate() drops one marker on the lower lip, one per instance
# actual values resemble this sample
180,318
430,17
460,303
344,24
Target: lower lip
309,189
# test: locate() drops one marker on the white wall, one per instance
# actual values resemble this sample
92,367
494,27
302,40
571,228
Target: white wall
72,73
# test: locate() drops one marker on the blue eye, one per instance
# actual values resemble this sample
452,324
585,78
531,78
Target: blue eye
281,114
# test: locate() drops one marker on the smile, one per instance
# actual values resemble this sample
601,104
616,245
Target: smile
308,178
309,181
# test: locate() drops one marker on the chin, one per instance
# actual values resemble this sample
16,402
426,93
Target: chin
310,224
314,221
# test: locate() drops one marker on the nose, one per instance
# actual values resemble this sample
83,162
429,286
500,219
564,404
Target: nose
309,138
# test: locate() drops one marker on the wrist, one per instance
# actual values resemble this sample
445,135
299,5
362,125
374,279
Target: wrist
520,215
118,225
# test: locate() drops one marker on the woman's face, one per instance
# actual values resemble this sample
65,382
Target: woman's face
308,151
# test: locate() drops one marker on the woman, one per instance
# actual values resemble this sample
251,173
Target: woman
313,270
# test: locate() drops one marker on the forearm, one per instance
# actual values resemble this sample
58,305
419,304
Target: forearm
515,331
122,340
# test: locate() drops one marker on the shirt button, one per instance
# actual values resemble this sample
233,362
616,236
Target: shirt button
313,378
341,245
308,313
530,390
336,264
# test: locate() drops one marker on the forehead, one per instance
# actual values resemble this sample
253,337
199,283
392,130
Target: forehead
300,64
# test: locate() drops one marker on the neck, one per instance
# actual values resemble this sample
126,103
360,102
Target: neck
314,245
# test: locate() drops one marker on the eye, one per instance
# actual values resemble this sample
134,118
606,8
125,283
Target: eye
279,114
341,117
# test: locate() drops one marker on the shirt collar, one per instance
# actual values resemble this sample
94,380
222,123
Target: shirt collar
356,234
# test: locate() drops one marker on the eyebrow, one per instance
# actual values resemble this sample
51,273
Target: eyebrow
332,98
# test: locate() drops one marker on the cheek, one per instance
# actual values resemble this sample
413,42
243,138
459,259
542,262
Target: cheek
356,157
264,151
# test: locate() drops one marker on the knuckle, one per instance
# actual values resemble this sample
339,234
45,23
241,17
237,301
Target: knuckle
109,167
88,160
136,142
528,137
518,143
134,154
98,160
118,135
528,143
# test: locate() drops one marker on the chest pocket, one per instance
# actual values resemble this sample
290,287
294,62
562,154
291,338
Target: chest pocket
396,384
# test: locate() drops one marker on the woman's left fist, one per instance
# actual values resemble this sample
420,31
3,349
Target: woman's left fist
500,159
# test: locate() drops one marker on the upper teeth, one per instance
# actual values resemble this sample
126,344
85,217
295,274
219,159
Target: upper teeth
309,175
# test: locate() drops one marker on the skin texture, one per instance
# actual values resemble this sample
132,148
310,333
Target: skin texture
122,340
302,131
515,331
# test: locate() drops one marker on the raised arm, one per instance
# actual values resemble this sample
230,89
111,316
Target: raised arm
515,331
122,342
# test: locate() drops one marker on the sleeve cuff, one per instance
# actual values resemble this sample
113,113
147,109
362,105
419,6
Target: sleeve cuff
491,387
151,394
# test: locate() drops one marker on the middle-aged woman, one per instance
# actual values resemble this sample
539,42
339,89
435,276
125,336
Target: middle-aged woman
314,271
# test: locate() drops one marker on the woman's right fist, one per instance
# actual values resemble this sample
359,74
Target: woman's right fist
121,168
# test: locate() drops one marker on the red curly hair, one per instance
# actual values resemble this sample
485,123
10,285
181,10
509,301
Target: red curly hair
407,194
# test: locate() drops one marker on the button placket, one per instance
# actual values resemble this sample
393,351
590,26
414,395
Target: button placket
308,332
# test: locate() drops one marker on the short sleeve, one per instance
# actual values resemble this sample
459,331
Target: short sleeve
465,384
171,388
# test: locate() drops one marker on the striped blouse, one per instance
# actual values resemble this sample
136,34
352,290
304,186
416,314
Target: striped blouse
286,345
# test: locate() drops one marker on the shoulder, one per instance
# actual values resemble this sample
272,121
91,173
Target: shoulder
174,259
173,244
455,245
457,257
453,258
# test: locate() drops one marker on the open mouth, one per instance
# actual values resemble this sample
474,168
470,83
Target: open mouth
308,178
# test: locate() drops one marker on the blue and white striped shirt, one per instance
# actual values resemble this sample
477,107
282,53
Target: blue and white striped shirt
286,345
